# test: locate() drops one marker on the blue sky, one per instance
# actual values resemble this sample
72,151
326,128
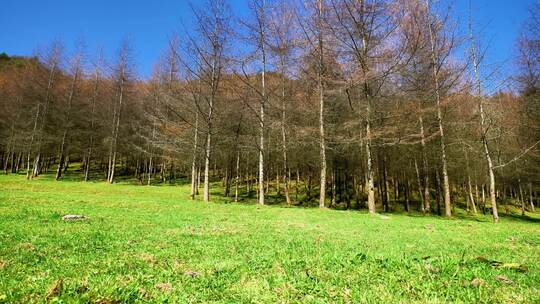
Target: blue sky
27,24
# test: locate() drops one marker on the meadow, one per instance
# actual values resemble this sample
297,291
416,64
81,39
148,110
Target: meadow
153,244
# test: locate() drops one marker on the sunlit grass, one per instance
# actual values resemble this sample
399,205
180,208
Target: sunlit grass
151,243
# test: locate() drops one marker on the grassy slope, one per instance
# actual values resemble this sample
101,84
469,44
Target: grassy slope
142,236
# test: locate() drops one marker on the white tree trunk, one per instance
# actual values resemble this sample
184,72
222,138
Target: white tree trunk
322,195
237,180
446,182
206,195
194,159
262,45
483,130
116,129
286,178
426,198
370,182
420,192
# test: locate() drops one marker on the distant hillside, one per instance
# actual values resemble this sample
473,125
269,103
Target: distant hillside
14,61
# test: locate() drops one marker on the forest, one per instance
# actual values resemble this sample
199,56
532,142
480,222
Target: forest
377,105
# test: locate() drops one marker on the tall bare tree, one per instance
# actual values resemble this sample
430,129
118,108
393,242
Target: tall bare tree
282,39
75,71
363,30
483,124
96,82
122,76
209,46
437,60
52,62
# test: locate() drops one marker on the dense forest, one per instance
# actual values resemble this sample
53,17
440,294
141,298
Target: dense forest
378,104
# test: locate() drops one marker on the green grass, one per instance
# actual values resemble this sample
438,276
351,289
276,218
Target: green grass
139,237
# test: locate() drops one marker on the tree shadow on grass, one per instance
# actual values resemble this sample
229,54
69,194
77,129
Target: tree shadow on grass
509,213
522,218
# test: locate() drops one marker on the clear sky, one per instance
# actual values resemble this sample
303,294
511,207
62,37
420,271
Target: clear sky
27,24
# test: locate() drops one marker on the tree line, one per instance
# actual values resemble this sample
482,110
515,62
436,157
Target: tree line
377,104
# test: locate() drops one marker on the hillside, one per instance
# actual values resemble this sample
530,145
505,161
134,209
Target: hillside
153,244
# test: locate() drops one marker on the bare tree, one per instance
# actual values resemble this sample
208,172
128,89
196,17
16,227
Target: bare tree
96,81
260,28
363,28
76,70
313,27
122,76
483,124
282,36
209,46
52,60
437,60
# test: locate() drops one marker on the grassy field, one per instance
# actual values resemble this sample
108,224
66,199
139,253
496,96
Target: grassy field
152,244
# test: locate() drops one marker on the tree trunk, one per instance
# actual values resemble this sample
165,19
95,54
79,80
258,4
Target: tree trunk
424,166
61,158
50,82
36,118
286,178
320,88
116,129
483,130
385,194
262,46
261,152
198,184
237,180
296,184
206,195
194,157
206,191
469,185
278,183
521,198
370,183
334,190
92,119
226,181
446,182
439,190
420,192
150,151
68,121
407,194
531,197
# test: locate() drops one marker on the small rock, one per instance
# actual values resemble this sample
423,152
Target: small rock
192,273
164,286
503,279
478,282
74,217
384,217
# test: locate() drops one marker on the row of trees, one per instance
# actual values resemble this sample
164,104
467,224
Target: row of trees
377,100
